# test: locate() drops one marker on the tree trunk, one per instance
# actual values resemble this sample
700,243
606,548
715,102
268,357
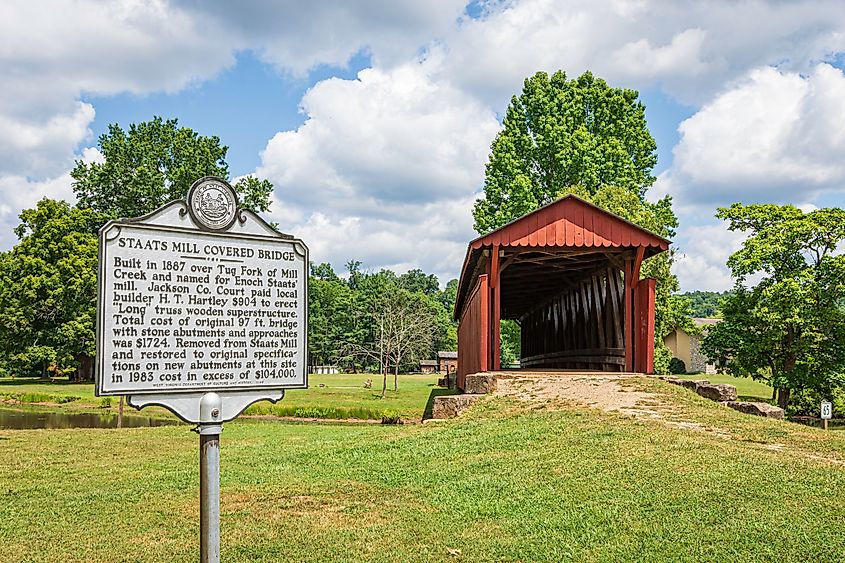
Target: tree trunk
783,397
384,380
774,394
396,377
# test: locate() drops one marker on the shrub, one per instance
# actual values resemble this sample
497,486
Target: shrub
807,402
39,398
677,366
391,417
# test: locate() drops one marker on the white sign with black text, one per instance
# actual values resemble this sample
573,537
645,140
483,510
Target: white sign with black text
200,296
826,410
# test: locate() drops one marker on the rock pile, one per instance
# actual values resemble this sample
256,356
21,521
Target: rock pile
726,394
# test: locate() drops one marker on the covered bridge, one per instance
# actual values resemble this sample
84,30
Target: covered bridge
569,274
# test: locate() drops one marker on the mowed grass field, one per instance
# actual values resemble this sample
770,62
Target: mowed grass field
338,396
507,482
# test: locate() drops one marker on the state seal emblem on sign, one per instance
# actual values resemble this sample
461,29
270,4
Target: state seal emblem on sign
213,204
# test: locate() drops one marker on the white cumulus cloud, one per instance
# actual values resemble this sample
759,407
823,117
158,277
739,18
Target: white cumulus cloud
704,251
385,167
775,136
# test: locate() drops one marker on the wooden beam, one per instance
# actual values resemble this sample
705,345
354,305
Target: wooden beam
638,261
496,312
645,353
484,331
629,317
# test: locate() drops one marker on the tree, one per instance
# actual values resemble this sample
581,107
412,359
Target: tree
408,329
48,288
789,328
417,281
155,162
563,133
329,321
705,303
389,325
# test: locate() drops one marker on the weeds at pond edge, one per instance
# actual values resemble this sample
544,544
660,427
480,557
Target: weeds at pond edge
386,416
35,398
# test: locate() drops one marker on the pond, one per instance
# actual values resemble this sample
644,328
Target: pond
15,419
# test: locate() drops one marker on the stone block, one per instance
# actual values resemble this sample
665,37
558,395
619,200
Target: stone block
692,385
719,392
757,409
450,406
480,383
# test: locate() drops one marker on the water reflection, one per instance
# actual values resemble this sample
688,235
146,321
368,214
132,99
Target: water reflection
14,419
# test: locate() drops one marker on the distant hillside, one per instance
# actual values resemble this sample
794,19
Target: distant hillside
705,303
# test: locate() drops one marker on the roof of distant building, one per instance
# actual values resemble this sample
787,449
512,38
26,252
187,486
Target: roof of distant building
705,321
428,362
447,355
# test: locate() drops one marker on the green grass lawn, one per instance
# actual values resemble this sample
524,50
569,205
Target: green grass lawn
341,396
746,388
504,483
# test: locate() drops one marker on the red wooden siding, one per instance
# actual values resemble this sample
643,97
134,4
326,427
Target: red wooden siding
474,333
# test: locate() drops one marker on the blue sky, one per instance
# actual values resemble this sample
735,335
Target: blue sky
374,119
244,105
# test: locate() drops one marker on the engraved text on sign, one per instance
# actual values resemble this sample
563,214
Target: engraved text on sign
191,311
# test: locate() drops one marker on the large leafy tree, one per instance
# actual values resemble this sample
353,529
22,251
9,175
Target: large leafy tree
48,288
153,163
417,281
789,328
560,133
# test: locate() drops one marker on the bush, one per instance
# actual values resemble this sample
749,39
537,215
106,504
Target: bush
339,413
67,399
39,398
677,366
391,417
806,402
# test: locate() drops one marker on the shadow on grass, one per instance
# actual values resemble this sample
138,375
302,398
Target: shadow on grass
754,399
436,392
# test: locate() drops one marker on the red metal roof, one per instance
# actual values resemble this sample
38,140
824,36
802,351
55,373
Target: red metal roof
571,222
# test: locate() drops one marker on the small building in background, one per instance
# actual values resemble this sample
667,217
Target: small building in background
447,362
428,366
687,347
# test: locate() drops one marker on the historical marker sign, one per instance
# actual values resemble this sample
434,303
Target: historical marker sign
200,296
203,309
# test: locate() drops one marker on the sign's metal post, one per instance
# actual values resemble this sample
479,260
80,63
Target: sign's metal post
209,430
